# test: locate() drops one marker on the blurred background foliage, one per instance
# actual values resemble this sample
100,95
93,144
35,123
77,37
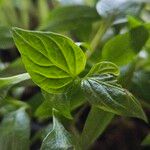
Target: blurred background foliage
112,30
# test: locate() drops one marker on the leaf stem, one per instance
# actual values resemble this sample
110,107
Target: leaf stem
104,25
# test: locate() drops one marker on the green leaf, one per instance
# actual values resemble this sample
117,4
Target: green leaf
103,92
140,84
96,123
122,48
60,102
52,60
58,138
63,102
146,141
6,40
15,131
9,81
70,18
104,67
133,22
15,67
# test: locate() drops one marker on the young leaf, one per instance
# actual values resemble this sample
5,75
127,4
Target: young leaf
52,60
15,131
103,92
104,67
122,48
58,138
96,123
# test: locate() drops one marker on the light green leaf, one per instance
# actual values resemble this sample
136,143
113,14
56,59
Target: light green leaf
15,131
6,40
58,138
103,92
96,123
70,18
104,67
52,60
122,48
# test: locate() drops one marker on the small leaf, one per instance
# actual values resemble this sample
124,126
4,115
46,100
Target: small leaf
15,131
104,68
122,48
58,138
103,92
52,60
96,123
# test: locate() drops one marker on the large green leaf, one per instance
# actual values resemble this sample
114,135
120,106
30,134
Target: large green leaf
6,40
52,60
58,138
103,92
122,48
96,123
15,131
71,17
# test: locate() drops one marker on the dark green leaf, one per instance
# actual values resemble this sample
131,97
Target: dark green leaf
140,84
103,92
15,131
52,60
58,138
123,48
96,123
71,18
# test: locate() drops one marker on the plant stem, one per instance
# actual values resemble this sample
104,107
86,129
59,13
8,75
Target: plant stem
104,25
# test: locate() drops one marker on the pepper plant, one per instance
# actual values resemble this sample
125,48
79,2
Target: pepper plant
90,55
